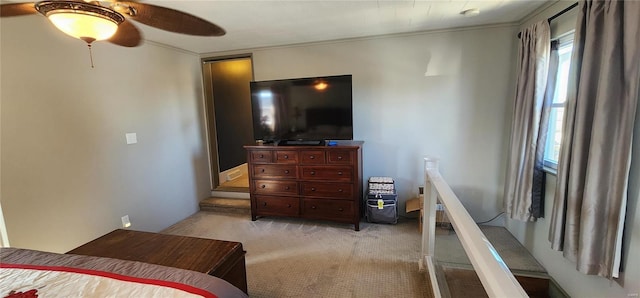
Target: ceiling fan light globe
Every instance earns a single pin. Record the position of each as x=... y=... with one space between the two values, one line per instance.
x=82 y=20
x=83 y=26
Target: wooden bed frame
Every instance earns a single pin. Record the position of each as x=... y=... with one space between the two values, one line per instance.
x=223 y=259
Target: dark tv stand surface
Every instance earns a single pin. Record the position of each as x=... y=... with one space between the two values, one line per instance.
x=301 y=143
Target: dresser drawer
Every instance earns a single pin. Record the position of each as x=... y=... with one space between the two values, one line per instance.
x=286 y=156
x=286 y=206
x=261 y=156
x=275 y=187
x=327 y=190
x=335 y=173
x=327 y=209
x=340 y=157
x=312 y=157
x=274 y=171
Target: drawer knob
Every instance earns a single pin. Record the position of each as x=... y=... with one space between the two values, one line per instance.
x=313 y=207
x=264 y=204
x=263 y=186
x=340 y=209
x=286 y=187
x=339 y=189
x=312 y=157
x=340 y=173
x=339 y=157
x=286 y=171
x=286 y=156
x=261 y=170
x=313 y=189
x=312 y=172
x=261 y=155
x=289 y=205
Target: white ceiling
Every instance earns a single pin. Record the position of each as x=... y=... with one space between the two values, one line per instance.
x=263 y=23
x=253 y=24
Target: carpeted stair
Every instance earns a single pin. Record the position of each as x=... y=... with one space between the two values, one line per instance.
x=227 y=205
x=464 y=282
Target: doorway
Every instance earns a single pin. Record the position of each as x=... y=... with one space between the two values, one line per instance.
x=229 y=121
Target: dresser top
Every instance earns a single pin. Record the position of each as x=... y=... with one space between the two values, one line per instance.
x=339 y=144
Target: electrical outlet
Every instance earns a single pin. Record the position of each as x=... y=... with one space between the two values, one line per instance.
x=131 y=137
x=125 y=221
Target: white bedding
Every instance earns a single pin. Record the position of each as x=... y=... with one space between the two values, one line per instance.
x=26 y=272
x=70 y=282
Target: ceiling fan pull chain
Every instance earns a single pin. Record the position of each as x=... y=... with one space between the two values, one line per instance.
x=90 y=55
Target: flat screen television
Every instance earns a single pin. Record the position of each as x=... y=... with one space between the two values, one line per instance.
x=305 y=109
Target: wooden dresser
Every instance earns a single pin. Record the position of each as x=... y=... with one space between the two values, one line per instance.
x=315 y=182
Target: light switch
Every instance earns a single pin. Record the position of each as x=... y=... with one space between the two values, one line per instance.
x=132 y=138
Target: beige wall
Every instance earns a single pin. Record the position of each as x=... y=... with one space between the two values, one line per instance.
x=67 y=173
x=456 y=112
x=535 y=235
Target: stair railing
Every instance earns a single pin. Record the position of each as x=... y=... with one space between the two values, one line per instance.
x=496 y=278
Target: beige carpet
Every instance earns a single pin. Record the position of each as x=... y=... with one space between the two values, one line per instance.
x=301 y=258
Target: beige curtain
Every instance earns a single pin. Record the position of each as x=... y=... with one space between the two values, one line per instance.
x=533 y=64
x=593 y=169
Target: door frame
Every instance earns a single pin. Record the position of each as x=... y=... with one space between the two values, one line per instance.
x=209 y=114
x=4 y=237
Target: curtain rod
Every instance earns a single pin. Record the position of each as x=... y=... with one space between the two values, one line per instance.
x=557 y=15
x=562 y=12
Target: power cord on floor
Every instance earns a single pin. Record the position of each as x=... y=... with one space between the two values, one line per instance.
x=488 y=221
x=478 y=223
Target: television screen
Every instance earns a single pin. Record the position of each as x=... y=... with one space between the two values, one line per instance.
x=303 y=109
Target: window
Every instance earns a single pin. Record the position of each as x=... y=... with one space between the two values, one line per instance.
x=554 y=130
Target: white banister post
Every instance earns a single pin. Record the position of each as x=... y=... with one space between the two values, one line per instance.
x=430 y=199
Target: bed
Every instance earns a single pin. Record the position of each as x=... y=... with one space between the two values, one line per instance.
x=26 y=273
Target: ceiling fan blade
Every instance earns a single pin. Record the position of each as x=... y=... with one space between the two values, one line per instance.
x=127 y=35
x=171 y=20
x=17 y=9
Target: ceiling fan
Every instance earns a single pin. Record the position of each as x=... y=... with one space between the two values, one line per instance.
x=97 y=20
